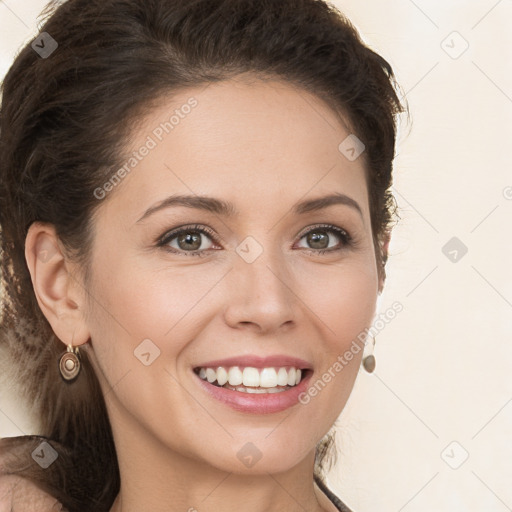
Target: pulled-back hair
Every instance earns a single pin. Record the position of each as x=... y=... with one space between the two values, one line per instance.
x=64 y=122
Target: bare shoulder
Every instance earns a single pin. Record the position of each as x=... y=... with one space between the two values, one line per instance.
x=20 y=494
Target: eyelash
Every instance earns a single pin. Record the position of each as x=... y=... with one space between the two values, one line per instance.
x=346 y=239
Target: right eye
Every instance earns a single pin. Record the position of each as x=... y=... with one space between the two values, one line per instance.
x=187 y=240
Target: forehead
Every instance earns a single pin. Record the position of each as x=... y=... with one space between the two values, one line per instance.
x=246 y=141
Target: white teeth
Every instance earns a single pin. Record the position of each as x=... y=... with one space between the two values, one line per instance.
x=257 y=390
x=222 y=376
x=235 y=376
x=251 y=390
x=251 y=377
x=276 y=390
x=211 y=375
x=282 y=377
x=253 y=380
x=268 y=378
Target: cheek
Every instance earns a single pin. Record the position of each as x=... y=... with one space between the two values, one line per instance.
x=140 y=310
x=354 y=308
x=342 y=296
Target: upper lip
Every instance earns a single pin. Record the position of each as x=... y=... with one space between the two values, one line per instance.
x=255 y=361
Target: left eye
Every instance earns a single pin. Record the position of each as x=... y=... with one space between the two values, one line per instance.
x=318 y=238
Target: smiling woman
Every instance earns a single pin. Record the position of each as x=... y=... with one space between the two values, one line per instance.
x=165 y=329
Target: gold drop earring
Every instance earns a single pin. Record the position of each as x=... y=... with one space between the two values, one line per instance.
x=69 y=363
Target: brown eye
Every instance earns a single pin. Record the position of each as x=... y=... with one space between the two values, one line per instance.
x=189 y=241
x=318 y=239
x=326 y=238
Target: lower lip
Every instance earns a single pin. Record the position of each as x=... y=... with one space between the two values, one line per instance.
x=261 y=403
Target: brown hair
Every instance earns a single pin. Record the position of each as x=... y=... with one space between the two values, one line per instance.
x=64 y=121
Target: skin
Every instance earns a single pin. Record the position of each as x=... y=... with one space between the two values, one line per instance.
x=264 y=146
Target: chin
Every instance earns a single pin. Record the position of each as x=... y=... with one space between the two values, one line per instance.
x=259 y=457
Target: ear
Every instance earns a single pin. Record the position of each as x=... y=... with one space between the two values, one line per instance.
x=58 y=292
x=384 y=247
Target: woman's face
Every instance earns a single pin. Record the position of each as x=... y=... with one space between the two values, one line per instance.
x=243 y=286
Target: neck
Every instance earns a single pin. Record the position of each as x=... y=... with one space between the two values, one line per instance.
x=156 y=478
x=227 y=495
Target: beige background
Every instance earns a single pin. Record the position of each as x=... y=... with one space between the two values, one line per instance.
x=442 y=389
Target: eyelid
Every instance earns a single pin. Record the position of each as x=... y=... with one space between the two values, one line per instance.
x=327 y=227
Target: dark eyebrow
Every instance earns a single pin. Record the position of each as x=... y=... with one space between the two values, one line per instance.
x=213 y=205
x=313 y=205
x=209 y=204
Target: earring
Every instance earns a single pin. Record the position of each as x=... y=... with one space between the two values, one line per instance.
x=69 y=363
x=369 y=360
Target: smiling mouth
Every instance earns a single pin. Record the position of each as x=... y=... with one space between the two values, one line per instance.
x=253 y=380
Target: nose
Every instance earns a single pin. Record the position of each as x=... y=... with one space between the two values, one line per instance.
x=261 y=294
